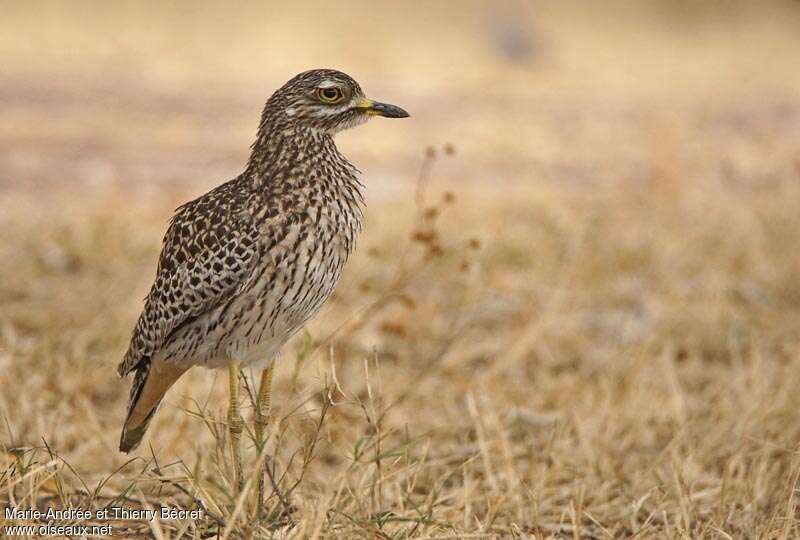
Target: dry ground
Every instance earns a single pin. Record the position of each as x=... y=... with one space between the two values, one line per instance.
x=575 y=315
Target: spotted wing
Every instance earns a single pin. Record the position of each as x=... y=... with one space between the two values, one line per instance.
x=209 y=252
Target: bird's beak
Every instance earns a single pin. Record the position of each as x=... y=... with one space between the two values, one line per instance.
x=376 y=108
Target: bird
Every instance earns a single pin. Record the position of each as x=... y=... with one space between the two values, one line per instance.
x=244 y=266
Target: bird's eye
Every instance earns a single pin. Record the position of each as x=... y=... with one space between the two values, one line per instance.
x=329 y=95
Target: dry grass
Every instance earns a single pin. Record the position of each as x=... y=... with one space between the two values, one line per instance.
x=533 y=366
x=583 y=323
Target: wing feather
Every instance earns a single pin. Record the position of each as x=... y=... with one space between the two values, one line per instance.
x=209 y=252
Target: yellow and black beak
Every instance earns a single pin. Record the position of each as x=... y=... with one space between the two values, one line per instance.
x=376 y=108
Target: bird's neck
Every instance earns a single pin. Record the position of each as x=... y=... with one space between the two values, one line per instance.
x=287 y=156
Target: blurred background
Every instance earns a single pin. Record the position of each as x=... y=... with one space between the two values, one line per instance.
x=578 y=278
x=139 y=92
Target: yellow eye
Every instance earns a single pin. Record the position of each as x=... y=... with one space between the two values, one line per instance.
x=329 y=95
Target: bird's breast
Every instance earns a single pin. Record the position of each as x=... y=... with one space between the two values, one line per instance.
x=297 y=273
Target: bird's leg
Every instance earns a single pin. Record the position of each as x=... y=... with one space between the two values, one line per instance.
x=235 y=424
x=263 y=403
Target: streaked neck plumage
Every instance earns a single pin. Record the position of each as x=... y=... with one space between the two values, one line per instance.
x=289 y=154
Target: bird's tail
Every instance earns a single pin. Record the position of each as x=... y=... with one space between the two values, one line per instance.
x=150 y=383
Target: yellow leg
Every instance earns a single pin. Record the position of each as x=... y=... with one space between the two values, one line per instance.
x=235 y=424
x=263 y=403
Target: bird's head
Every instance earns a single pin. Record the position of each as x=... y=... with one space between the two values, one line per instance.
x=326 y=100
